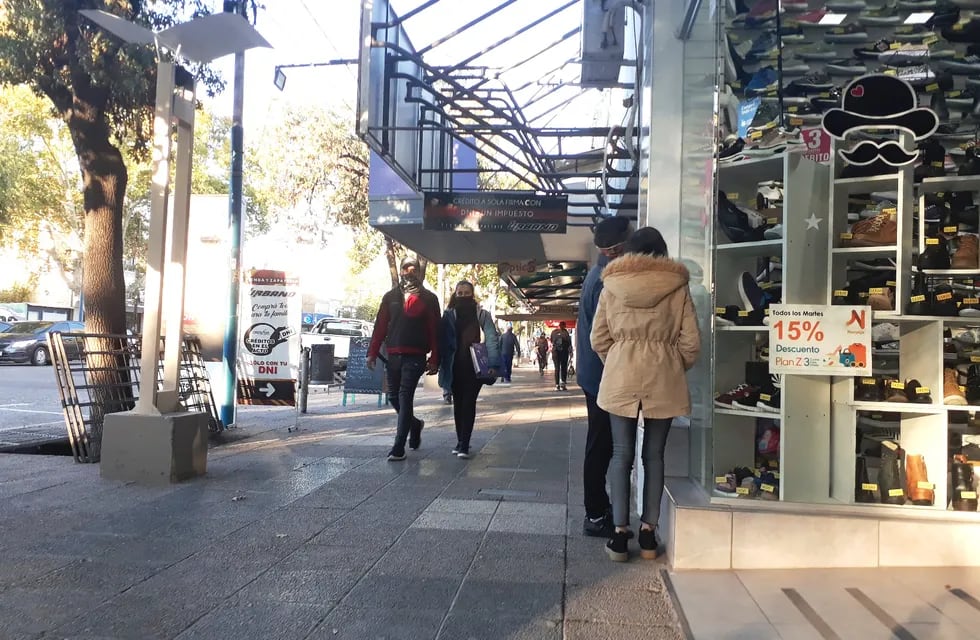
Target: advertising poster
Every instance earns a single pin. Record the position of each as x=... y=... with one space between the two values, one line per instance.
x=208 y=275
x=495 y=211
x=820 y=340
x=269 y=350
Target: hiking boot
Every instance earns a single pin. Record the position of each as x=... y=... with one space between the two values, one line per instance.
x=952 y=392
x=919 y=490
x=396 y=455
x=882 y=230
x=601 y=527
x=967 y=254
x=618 y=546
x=415 y=434
x=648 y=544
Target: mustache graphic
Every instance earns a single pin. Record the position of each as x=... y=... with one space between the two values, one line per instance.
x=890 y=152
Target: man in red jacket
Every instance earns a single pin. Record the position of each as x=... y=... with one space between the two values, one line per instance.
x=408 y=325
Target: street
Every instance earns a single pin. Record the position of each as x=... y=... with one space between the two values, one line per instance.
x=29 y=398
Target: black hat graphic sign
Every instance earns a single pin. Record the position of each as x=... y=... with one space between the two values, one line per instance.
x=880 y=102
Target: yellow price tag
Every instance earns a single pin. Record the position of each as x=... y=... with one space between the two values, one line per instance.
x=968 y=495
x=796 y=122
x=971 y=300
x=743 y=314
x=768 y=488
x=877 y=291
x=840 y=293
x=950 y=229
x=922 y=390
x=932 y=241
x=772 y=220
x=890 y=211
x=765 y=397
x=895 y=493
x=925 y=485
x=943 y=297
x=720 y=479
x=867 y=486
x=846 y=236
x=897 y=385
x=720 y=310
x=742 y=491
x=918 y=298
x=868 y=381
x=931 y=88
x=755 y=135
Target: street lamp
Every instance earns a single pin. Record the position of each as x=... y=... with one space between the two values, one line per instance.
x=280 y=77
x=158 y=441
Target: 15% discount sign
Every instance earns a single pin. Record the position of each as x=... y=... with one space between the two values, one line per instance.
x=820 y=339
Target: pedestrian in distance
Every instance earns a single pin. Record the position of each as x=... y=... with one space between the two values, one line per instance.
x=407 y=325
x=509 y=345
x=610 y=237
x=541 y=349
x=462 y=325
x=561 y=351
x=646 y=333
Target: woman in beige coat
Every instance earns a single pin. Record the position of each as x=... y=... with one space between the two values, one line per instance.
x=646 y=333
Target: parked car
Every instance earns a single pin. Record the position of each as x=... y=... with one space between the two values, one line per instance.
x=338 y=332
x=27 y=341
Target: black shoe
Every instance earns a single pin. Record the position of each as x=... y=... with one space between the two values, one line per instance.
x=463 y=453
x=415 y=434
x=557 y=387
x=396 y=455
x=600 y=527
x=617 y=548
x=648 y=543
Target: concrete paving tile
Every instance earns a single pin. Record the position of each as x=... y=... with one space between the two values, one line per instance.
x=377 y=591
x=266 y=620
x=146 y=617
x=350 y=623
x=521 y=523
x=308 y=586
x=639 y=598
x=517 y=569
x=532 y=509
x=453 y=521
x=449 y=505
x=591 y=630
x=28 y=612
x=538 y=599
x=466 y=626
x=501 y=543
x=96 y=576
x=17 y=570
x=326 y=558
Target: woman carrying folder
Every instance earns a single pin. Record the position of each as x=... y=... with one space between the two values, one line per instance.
x=462 y=325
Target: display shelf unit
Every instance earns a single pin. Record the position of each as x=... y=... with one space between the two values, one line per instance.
x=803 y=458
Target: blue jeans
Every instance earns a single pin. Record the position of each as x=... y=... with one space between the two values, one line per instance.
x=404 y=372
x=623 y=451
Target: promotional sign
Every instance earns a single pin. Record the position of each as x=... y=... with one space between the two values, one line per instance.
x=746 y=113
x=270 y=342
x=495 y=211
x=359 y=378
x=820 y=340
x=817 y=144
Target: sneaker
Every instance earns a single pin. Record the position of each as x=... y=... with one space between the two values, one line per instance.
x=396 y=455
x=869 y=390
x=884 y=332
x=813 y=82
x=817 y=52
x=808 y=19
x=731 y=150
x=415 y=434
x=740 y=393
x=873 y=51
x=753 y=296
x=766 y=117
x=648 y=544
x=774 y=141
x=618 y=546
x=770 y=402
x=880 y=16
x=967 y=254
x=763 y=81
x=846 y=67
x=774 y=233
x=740 y=224
x=882 y=230
x=846 y=34
x=917 y=393
x=952 y=392
x=895 y=391
x=935 y=256
x=846 y=6
x=601 y=527
x=914 y=33
x=769 y=194
x=463 y=453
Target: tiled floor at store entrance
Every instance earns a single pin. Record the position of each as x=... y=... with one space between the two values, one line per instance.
x=831 y=604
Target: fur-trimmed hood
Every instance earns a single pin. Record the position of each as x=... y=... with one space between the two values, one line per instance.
x=643 y=281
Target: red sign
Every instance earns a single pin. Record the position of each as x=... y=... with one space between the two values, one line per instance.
x=817 y=142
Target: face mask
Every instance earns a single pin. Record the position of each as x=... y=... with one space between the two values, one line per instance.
x=410 y=282
x=466 y=305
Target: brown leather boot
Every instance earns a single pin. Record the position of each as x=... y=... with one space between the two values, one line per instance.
x=967 y=254
x=879 y=231
x=918 y=488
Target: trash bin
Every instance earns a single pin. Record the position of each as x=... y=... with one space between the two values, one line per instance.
x=321 y=364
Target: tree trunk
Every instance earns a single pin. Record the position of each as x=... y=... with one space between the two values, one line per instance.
x=391 y=255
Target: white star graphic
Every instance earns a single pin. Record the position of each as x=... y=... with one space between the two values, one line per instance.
x=813 y=222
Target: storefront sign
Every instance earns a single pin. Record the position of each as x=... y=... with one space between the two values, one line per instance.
x=820 y=340
x=269 y=357
x=494 y=211
x=817 y=144
x=517 y=269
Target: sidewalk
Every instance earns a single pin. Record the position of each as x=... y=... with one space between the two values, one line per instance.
x=313 y=534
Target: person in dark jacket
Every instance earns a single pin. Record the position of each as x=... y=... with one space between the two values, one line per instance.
x=610 y=238
x=462 y=326
x=509 y=345
x=408 y=325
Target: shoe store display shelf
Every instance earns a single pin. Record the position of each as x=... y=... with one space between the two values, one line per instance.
x=888 y=316
x=949 y=272
x=859 y=253
x=804 y=461
x=949 y=183
x=848 y=186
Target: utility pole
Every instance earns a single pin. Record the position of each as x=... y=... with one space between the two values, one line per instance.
x=229 y=403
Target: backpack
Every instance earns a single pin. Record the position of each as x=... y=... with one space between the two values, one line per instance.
x=560 y=341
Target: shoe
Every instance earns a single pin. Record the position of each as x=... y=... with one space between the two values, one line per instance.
x=943 y=301
x=817 y=52
x=774 y=141
x=463 y=453
x=763 y=81
x=919 y=490
x=813 y=82
x=864 y=490
x=741 y=394
x=891 y=487
x=731 y=150
x=884 y=332
x=895 y=391
x=920 y=300
x=766 y=117
x=648 y=543
x=846 y=6
x=396 y=455
x=447 y=398
x=968 y=65
x=882 y=230
x=846 y=34
x=935 y=256
x=846 y=67
x=914 y=33
x=880 y=16
x=415 y=434
x=753 y=296
x=601 y=527
x=917 y=393
x=564 y=387
x=967 y=255
x=869 y=390
x=808 y=19
x=964 y=486
x=881 y=299
x=740 y=224
x=618 y=546
x=952 y=393
x=770 y=401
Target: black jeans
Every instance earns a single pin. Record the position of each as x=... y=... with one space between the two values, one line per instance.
x=624 y=450
x=506 y=366
x=542 y=361
x=561 y=366
x=403 y=378
x=598 y=453
x=466 y=388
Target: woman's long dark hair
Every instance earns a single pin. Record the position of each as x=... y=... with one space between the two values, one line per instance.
x=648 y=241
x=452 y=298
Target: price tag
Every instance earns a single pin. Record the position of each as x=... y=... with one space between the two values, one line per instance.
x=891 y=283
x=933 y=40
x=757 y=473
x=796 y=122
x=736 y=84
x=743 y=314
x=895 y=493
x=892 y=211
x=953 y=94
x=742 y=491
x=925 y=485
x=720 y=479
x=968 y=495
x=895 y=45
x=937 y=165
x=720 y=310
x=733 y=196
x=950 y=229
x=958 y=26
x=846 y=236
x=772 y=220
x=768 y=488
x=922 y=390
x=755 y=135
x=869 y=381
x=765 y=397
x=974 y=358
x=890 y=72
x=820 y=339
x=841 y=293
x=877 y=291
x=932 y=88
x=867 y=486
x=932 y=241
x=897 y=385
x=918 y=298
x=971 y=300
x=943 y=297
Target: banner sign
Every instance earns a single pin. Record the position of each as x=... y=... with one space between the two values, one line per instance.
x=495 y=211
x=270 y=343
x=746 y=114
x=817 y=145
x=825 y=340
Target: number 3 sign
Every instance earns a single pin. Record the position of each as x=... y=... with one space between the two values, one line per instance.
x=817 y=144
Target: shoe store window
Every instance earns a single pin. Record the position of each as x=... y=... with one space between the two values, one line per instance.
x=790 y=219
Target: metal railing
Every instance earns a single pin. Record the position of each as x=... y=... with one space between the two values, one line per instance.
x=99 y=374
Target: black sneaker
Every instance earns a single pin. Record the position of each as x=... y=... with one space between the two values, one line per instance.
x=463 y=453
x=396 y=455
x=601 y=527
x=731 y=150
x=648 y=543
x=415 y=434
x=617 y=548
x=457 y=448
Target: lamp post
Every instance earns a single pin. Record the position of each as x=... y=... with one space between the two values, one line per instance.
x=279 y=79
x=158 y=441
